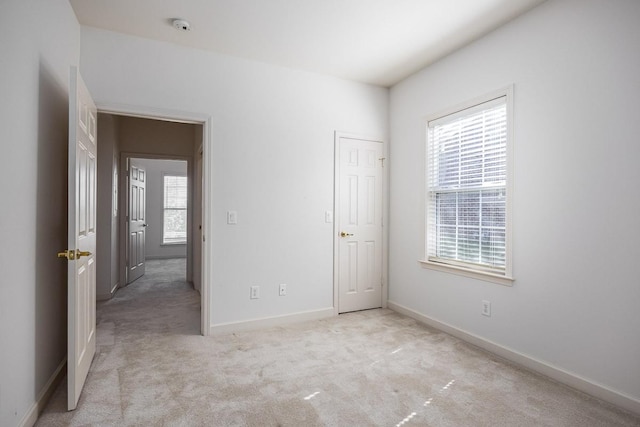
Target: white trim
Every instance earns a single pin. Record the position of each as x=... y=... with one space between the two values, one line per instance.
x=484 y=100
x=207 y=157
x=267 y=322
x=336 y=215
x=166 y=256
x=114 y=289
x=563 y=376
x=467 y=272
x=152 y=113
x=51 y=385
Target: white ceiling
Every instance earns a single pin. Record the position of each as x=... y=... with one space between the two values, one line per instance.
x=372 y=41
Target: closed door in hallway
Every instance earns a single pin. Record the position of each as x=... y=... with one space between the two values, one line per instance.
x=137 y=221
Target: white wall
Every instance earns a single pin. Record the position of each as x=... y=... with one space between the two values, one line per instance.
x=155 y=170
x=272 y=159
x=575 y=303
x=39 y=40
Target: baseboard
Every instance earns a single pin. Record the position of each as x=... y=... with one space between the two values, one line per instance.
x=570 y=379
x=164 y=256
x=106 y=297
x=268 y=322
x=43 y=397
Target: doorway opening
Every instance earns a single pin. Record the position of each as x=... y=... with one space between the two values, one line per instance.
x=159 y=206
x=153 y=185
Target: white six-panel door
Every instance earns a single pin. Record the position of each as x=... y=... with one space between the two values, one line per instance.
x=359 y=224
x=137 y=223
x=81 y=236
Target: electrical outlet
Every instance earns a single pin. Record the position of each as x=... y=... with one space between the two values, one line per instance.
x=255 y=292
x=283 y=290
x=486 y=308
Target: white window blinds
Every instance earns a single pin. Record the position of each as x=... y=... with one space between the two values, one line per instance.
x=174 y=229
x=467 y=187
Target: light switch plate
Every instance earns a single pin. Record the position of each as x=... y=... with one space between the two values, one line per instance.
x=328 y=217
x=232 y=217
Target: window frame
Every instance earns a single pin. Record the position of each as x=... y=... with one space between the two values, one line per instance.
x=463 y=268
x=164 y=209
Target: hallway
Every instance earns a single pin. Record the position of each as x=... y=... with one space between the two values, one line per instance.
x=138 y=335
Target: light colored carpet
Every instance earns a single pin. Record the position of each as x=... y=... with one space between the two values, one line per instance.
x=370 y=368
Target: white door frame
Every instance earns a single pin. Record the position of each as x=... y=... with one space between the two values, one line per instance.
x=336 y=216
x=207 y=157
x=124 y=190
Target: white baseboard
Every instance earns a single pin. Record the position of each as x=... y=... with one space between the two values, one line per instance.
x=43 y=397
x=114 y=289
x=112 y=292
x=565 y=377
x=164 y=256
x=268 y=322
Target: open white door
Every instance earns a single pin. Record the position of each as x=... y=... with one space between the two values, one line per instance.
x=81 y=333
x=137 y=221
x=359 y=223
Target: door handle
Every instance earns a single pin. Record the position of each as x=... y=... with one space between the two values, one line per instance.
x=345 y=234
x=145 y=225
x=80 y=253
x=69 y=255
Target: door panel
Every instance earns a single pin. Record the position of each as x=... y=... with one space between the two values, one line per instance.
x=81 y=345
x=137 y=221
x=359 y=225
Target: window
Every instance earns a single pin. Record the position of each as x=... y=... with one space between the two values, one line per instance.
x=174 y=227
x=468 y=189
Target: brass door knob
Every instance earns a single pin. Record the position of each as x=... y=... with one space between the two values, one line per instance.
x=80 y=253
x=345 y=234
x=70 y=255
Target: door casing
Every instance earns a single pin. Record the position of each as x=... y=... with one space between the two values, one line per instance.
x=336 y=216
x=207 y=161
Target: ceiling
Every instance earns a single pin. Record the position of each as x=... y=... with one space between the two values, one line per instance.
x=372 y=41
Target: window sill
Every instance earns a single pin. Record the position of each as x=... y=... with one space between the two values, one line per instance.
x=173 y=244
x=467 y=272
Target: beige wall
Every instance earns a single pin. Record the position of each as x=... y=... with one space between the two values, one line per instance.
x=149 y=138
x=107 y=244
x=157 y=137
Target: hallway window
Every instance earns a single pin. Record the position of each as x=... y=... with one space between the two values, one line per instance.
x=174 y=228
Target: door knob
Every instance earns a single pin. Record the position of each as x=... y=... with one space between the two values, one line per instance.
x=80 y=253
x=145 y=225
x=70 y=255
x=345 y=234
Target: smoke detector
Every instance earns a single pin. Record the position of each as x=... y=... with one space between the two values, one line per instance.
x=181 y=25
